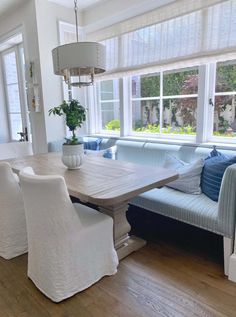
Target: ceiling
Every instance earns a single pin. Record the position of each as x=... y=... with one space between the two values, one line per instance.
x=7 y=5
x=82 y=4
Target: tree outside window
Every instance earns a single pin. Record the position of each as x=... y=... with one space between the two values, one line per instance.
x=225 y=100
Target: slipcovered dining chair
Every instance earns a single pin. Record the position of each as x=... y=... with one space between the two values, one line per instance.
x=13 y=235
x=70 y=245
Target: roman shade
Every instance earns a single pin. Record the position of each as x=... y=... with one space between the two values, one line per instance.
x=185 y=30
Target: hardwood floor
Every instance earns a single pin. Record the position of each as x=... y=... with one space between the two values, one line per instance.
x=162 y=279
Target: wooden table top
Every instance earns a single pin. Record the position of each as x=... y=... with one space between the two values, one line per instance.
x=99 y=181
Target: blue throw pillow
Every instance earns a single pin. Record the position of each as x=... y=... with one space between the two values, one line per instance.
x=110 y=153
x=212 y=174
x=92 y=145
x=214 y=153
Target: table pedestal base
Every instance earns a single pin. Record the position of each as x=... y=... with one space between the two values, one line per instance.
x=133 y=244
x=124 y=244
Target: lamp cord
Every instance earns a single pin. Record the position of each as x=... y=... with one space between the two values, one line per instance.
x=76 y=20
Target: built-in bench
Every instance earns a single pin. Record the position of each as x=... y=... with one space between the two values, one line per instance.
x=197 y=210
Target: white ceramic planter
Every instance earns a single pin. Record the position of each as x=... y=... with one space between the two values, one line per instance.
x=72 y=155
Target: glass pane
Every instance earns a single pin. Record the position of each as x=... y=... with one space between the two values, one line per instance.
x=16 y=125
x=13 y=98
x=179 y=116
x=225 y=116
x=145 y=116
x=180 y=83
x=146 y=86
x=110 y=116
x=110 y=89
x=10 y=68
x=225 y=77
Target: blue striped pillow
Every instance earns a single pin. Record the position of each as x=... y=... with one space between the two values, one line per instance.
x=212 y=174
x=92 y=145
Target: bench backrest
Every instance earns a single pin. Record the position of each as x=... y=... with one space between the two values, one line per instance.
x=154 y=154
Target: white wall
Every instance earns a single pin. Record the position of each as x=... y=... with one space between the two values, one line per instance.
x=48 y=14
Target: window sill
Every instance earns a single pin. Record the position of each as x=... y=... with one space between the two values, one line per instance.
x=209 y=144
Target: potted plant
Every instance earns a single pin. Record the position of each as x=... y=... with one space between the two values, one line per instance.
x=72 y=149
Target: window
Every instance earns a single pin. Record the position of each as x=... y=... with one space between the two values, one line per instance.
x=224 y=122
x=110 y=105
x=168 y=104
x=166 y=61
x=180 y=92
x=165 y=103
x=146 y=103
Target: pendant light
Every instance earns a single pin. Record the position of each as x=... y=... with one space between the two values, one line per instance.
x=80 y=59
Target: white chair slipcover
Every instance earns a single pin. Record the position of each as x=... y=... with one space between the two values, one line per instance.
x=13 y=235
x=70 y=245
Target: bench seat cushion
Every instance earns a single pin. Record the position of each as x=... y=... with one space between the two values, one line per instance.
x=197 y=210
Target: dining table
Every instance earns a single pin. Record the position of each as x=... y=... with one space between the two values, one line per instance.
x=106 y=183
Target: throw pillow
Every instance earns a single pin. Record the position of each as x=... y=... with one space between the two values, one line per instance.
x=214 y=153
x=189 y=174
x=92 y=145
x=212 y=175
x=110 y=152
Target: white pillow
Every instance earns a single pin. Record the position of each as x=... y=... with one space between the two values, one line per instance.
x=94 y=153
x=189 y=174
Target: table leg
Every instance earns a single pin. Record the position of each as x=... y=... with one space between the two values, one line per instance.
x=124 y=244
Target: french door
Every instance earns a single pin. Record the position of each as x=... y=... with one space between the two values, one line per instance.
x=15 y=92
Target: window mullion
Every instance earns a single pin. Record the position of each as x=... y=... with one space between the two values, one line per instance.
x=202 y=104
x=161 y=102
x=211 y=95
x=125 y=107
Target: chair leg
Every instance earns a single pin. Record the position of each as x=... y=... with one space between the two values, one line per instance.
x=228 y=250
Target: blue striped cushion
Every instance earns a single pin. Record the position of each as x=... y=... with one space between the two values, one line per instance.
x=212 y=174
x=92 y=145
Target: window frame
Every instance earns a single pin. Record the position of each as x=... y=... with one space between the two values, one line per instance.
x=99 y=102
x=205 y=111
x=213 y=94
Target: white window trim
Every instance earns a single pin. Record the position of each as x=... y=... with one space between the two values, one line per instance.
x=205 y=112
x=212 y=94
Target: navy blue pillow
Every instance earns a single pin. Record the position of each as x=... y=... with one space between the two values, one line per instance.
x=212 y=174
x=92 y=145
x=108 y=154
x=214 y=152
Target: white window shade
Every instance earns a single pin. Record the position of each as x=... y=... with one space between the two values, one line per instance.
x=195 y=30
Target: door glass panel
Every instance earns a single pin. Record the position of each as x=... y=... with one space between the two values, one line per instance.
x=10 y=68
x=13 y=94
x=16 y=125
x=13 y=98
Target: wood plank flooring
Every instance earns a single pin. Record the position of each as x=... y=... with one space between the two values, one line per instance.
x=163 y=279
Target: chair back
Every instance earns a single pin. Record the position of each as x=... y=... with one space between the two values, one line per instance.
x=13 y=235
x=50 y=215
